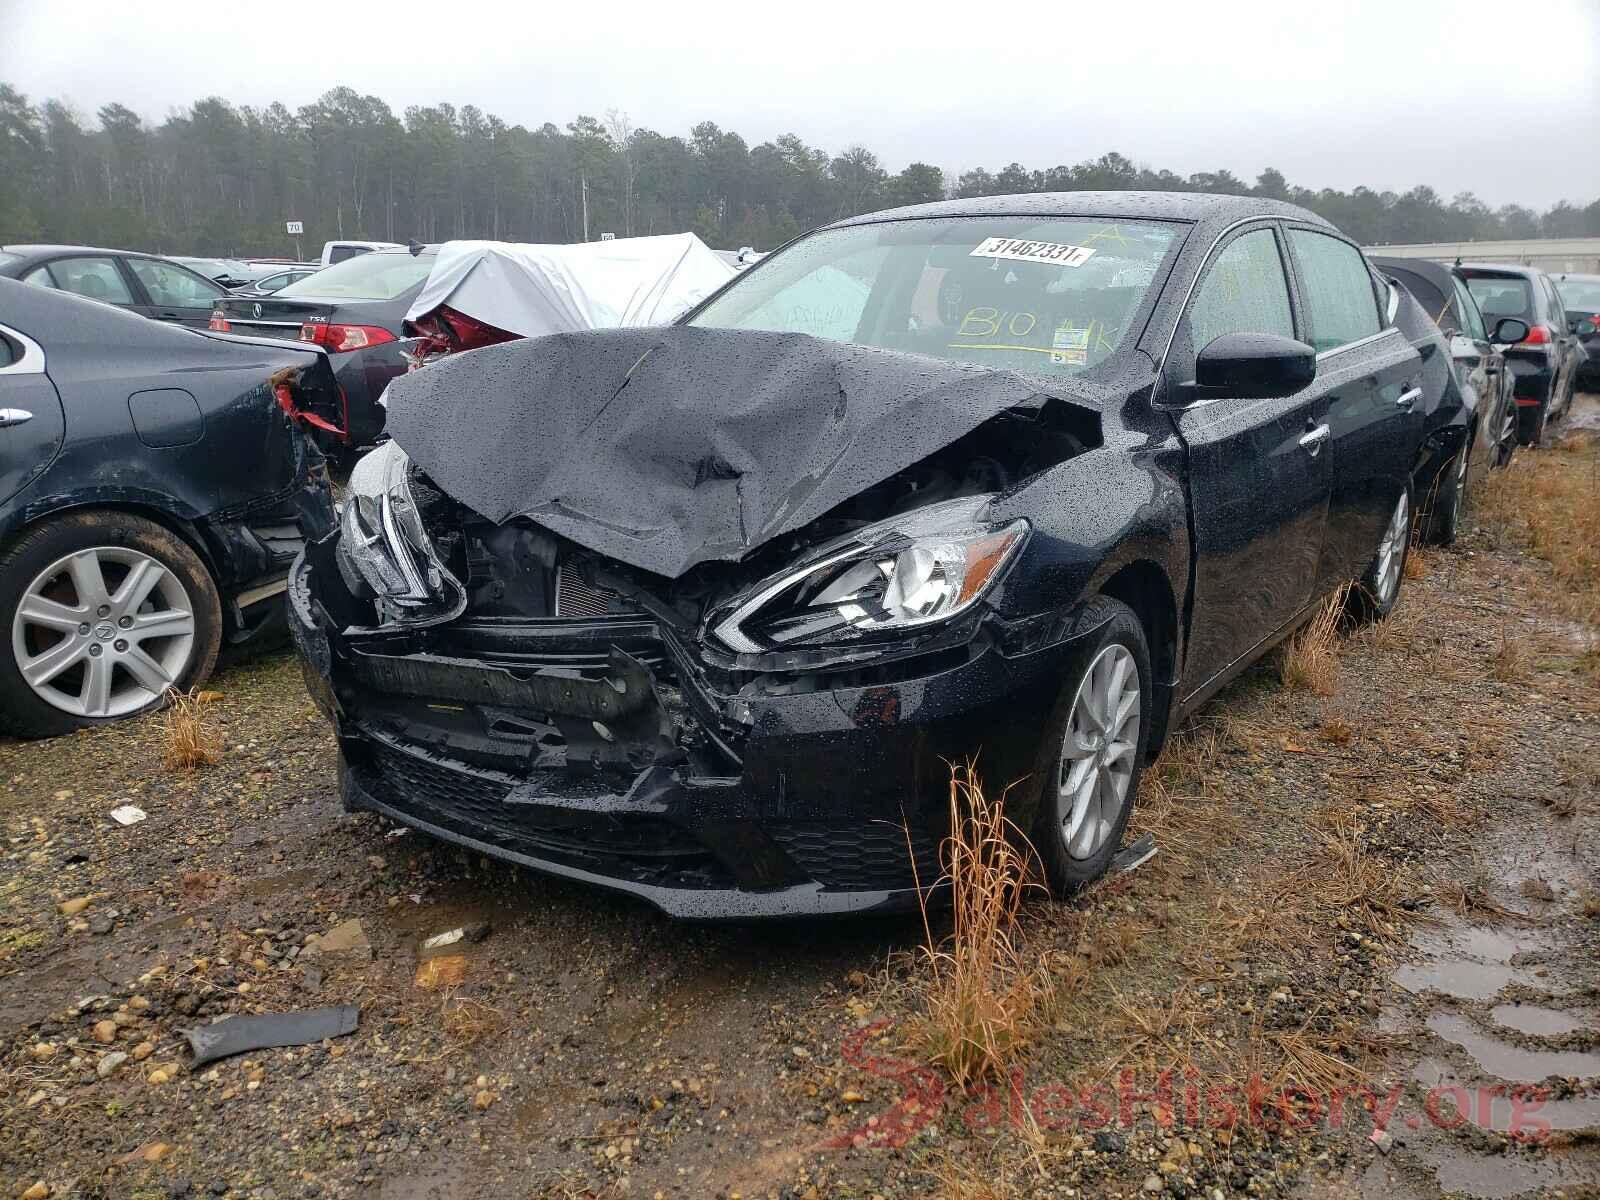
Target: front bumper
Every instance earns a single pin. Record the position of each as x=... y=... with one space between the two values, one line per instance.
x=772 y=801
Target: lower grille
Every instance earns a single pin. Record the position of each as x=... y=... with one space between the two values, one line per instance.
x=869 y=856
x=577 y=598
x=643 y=848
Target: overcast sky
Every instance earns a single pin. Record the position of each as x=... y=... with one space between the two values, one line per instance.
x=1502 y=100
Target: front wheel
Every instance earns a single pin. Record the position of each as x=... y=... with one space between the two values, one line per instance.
x=1091 y=756
x=1374 y=596
x=105 y=611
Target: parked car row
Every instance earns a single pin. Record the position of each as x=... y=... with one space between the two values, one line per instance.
x=699 y=611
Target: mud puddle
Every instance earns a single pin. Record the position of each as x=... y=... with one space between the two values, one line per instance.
x=1511 y=1063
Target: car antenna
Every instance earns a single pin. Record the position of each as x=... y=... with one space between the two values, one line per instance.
x=415 y=247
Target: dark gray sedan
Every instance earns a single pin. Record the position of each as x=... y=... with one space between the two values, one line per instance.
x=142 y=283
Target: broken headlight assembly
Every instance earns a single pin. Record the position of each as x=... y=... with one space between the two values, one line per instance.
x=908 y=572
x=384 y=553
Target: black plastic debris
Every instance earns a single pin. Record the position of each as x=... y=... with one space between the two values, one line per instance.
x=1132 y=856
x=235 y=1035
x=668 y=447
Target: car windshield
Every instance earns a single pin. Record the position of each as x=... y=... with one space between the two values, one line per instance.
x=1581 y=293
x=7 y=257
x=1052 y=294
x=1501 y=296
x=379 y=276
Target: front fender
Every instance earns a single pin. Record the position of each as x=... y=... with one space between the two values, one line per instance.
x=1092 y=516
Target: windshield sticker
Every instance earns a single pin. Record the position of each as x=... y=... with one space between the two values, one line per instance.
x=1021 y=250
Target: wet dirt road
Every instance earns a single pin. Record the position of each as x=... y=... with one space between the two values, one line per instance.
x=571 y=1044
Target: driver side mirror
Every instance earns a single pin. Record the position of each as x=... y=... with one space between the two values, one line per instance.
x=1509 y=330
x=1253 y=366
x=1585 y=327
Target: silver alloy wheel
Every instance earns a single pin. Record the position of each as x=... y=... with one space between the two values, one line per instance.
x=1097 y=752
x=1508 y=434
x=101 y=632
x=1461 y=480
x=1392 y=550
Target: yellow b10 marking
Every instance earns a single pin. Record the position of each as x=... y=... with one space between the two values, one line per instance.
x=986 y=322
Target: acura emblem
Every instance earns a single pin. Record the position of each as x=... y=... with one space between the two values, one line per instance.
x=256 y=309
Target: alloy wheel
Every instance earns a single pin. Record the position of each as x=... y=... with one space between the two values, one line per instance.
x=1459 y=499
x=1392 y=550
x=1506 y=445
x=1097 y=752
x=103 y=631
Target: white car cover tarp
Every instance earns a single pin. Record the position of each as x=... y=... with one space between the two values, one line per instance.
x=533 y=290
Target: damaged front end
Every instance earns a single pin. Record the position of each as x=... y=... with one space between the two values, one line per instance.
x=761 y=737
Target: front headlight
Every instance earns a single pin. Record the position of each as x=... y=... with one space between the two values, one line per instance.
x=910 y=571
x=383 y=549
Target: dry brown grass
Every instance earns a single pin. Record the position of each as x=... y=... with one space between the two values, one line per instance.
x=1400 y=630
x=1343 y=878
x=190 y=736
x=982 y=999
x=1550 y=503
x=1311 y=659
x=1418 y=563
x=1589 y=903
x=466 y=1022
x=1336 y=732
x=1510 y=661
x=958 y=1180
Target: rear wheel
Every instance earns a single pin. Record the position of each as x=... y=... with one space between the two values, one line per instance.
x=1444 y=513
x=1091 y=757
x=1530 y=423
x=1376 y=593
x=104 y=611
x=1505 y=442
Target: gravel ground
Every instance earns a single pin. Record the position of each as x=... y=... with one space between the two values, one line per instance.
x=1394 y=885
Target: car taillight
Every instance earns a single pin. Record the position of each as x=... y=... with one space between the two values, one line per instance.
x=1538 y=335
x=218 y=322
x=340 y=338
x=470 y=334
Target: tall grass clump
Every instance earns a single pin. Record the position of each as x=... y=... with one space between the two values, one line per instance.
x=982 y=999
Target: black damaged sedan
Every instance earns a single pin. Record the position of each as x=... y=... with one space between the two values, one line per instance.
x=704 y=613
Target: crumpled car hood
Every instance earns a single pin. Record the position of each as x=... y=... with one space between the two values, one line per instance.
x=664 y=448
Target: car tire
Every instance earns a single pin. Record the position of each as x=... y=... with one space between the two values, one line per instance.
x=1449 y=497
x=150 y=619
x=1376 y=593
x=1088 y=784
x=1505 y=441
x=1531 y=422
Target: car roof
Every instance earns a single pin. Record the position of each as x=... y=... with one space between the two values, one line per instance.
x=1198 y=207
x=1579 y=275
x=34 y=251
x=1503 y=269
x=1435 y=272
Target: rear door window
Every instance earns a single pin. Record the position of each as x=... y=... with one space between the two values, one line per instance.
x=1245 y=291
x=96 y=278
x=1341 y=305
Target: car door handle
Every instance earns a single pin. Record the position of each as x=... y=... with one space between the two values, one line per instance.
x=1311 y=442
x=14 y=416
x=1409 y=397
